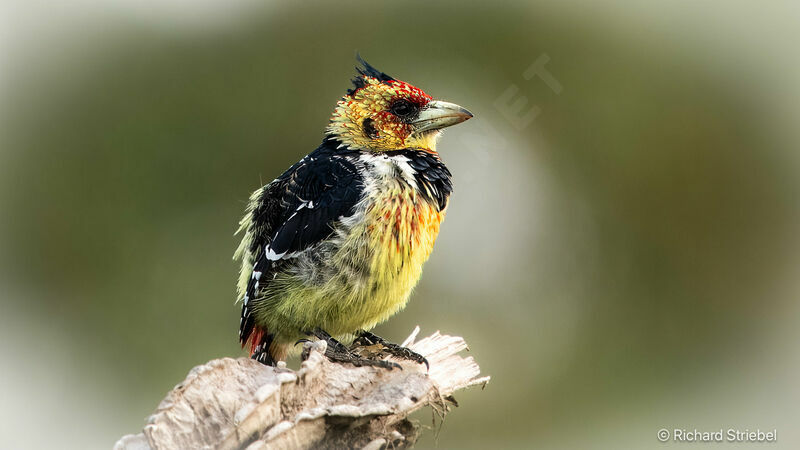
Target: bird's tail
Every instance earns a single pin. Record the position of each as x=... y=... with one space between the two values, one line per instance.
x=261 y=346
x=259 y=339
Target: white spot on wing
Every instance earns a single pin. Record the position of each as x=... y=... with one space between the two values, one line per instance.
x=272 y=256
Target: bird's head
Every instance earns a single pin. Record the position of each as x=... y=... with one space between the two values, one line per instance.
x=383 y=114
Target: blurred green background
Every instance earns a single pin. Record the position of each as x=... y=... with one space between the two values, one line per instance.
x=628 y=261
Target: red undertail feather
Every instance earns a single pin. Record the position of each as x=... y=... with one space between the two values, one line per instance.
x=255 y=339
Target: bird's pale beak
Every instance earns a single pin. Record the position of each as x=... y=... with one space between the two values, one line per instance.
x=437 y=114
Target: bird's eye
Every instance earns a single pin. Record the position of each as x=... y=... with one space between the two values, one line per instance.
x=403 y=108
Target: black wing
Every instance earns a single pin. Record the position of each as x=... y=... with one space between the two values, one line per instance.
x=295 y=212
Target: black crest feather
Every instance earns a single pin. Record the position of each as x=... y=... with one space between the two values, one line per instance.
x=364 y=69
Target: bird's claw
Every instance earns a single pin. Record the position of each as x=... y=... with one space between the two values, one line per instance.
x=338 y=352
x=365 y=338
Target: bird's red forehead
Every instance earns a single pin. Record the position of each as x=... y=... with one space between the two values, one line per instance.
x=412 y=93
x=389 y=90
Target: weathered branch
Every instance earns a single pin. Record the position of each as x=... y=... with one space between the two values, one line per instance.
x=239 y=403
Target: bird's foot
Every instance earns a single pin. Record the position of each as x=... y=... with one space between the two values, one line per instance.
x=339 y=353
x=367 y=339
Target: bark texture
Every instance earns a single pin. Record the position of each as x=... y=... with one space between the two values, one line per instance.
x=239 y=403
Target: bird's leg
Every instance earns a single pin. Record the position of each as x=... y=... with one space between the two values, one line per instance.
x=365 y=338
x=338 y=352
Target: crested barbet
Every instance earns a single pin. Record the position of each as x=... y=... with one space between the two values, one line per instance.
x=334 y=245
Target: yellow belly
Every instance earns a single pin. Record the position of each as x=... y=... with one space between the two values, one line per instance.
x=378 y=264
x=402 y=230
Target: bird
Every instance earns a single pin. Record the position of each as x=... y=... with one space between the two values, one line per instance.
x=336 y=243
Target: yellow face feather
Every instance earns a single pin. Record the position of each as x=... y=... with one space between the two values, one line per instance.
x=362 y=120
